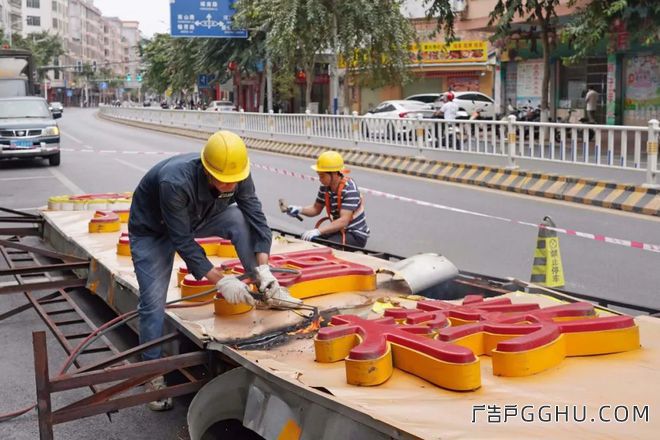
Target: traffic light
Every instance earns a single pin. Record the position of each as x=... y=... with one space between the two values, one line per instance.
x=94 y=66
x=79 y=66
x=128 y=77
x=139 y=77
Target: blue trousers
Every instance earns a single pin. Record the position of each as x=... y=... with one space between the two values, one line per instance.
x=153 y=258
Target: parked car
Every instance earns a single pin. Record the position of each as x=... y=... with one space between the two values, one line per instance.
x=56 y=107
x=28 y=130
x=221 y=106
x=470 y=102
x=402 y=111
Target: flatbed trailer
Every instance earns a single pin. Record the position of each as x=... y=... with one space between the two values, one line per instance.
x=273 y=386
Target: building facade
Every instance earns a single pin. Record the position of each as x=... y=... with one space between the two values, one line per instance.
x=132 y=64
x=113 y=46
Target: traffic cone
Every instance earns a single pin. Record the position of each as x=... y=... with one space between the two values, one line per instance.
x=547 y=269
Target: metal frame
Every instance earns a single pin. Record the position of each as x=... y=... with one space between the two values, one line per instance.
x=59 y=311
x=108 y=400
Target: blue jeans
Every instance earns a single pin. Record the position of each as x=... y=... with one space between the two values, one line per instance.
x=153 y=257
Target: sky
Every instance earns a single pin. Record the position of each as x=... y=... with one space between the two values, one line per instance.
x=153 y=15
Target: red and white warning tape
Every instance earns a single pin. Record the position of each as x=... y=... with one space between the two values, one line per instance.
x=597 y=237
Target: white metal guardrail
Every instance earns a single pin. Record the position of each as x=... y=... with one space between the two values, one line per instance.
x=622 y=147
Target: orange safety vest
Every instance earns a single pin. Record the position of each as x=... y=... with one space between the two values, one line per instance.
x=328 y=207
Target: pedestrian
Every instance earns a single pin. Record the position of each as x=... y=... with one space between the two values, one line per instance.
x=448 y=111
x=189 y=196
x=346 y=221
x=591 y=101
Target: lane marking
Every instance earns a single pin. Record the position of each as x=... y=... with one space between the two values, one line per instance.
x=73 y=138
x=7 y=179
x=586 y=235
x=66 y=182
x=131 y=165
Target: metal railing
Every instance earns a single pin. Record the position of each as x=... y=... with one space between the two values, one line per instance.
x=615 y=146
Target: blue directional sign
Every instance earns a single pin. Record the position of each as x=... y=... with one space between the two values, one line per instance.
x=69 y=93
x=103 y=85
x=203 y=18
x=204 y=80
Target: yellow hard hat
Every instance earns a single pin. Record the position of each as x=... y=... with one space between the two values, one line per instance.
x=225 y=157
x=328 y=162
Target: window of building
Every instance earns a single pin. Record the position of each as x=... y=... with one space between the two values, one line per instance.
x=33 y=4
x=54 y=6
x=54 y=23
x=33 y=21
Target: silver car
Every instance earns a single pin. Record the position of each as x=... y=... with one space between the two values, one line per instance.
x=28 y=130
x=394 y=119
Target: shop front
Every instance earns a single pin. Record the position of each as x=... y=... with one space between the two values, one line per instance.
x=437 y=67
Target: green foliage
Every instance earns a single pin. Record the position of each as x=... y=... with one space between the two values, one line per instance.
x=594 y=21
x=441 y=11
x=44 y=47
x=297 y=33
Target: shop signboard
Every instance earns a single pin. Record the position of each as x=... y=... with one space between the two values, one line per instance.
x=610 y=95
x=434 y=52
x=529 y=83
x=642 y=90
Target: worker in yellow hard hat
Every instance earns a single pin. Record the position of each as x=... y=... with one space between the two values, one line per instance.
x=190 y=196
x=345 y=220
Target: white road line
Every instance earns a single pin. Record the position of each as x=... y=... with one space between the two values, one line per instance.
x=73 y=138
x=87 y=147
x=66 y=182
x=131 y=165
x=7 y=179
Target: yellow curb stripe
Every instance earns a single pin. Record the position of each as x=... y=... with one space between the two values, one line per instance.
x=574 y=190
x=509 y=180
x=653 y=206
x=470 y=172
x=612 y=197
x=632 y=200
x=594 y=193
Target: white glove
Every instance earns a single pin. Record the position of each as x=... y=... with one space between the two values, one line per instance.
x=293 y=210
x=268 y=284
x=234 y=291
x=309 y=235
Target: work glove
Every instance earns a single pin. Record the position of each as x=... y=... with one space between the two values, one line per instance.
x=293 y=211
x=266 y=280
x=309 y=235
x=282 y=299
x=234 y=291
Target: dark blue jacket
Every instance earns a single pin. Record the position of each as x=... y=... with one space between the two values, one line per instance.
x=174 y=198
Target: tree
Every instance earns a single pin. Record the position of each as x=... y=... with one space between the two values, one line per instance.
x=170 y=62
x=44 y=47
x=533 y=13
x=297 y=33
x=592 y=23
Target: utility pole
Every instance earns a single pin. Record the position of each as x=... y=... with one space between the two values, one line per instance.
x=269 y=84
x=334 y=74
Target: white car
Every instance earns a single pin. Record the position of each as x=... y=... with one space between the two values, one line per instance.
x=401 y=111
x=221 y=106
x=468 y=101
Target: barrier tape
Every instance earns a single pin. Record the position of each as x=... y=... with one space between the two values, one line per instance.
x=596 y=237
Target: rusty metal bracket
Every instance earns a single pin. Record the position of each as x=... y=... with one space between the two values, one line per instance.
x=107 y=400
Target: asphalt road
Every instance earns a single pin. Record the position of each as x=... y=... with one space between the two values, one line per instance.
x=480 y=230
